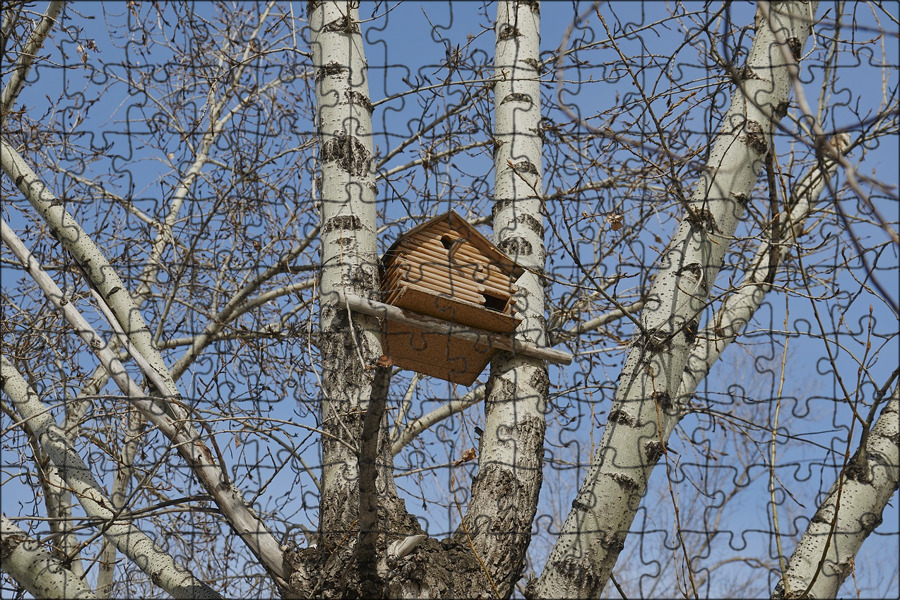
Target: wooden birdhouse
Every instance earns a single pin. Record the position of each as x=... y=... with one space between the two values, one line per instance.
x=447 y=270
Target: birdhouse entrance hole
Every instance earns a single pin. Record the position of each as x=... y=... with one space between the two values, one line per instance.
x=447 y=241
x=495 y=303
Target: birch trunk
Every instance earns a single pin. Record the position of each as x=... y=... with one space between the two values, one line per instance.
x=850 y=513
x=350 y=551
x=505 y=491
x=594 y=533
x=348 y=248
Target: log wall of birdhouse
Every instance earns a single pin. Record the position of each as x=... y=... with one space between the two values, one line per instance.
x=442 y=260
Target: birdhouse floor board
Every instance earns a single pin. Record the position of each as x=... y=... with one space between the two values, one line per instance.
x=452 y=310
x=500 y=341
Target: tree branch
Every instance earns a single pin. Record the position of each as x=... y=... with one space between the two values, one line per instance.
x=26 y=58
x=36 y=569
x=131 y=541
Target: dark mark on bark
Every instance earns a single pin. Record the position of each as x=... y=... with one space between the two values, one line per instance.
x=756 y=137
x=344 y=223
x=516 y=97
x=507 y=31
x=349 y=152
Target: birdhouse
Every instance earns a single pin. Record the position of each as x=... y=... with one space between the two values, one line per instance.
x=446 y=269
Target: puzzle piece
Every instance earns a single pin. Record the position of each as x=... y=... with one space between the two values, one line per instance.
x=188 y=143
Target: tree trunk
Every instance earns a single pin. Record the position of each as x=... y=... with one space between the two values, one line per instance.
x=850 y=513
x=346 y=560
x=505 y=491
x=635 y=436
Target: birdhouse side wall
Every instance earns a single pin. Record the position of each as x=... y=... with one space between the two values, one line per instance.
x=474 y=275
x=428 y=243
x=446 y=256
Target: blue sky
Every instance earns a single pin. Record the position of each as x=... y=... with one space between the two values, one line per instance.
x=411 y=43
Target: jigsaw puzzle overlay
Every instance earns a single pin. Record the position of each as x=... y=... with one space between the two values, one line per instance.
x=470 y=299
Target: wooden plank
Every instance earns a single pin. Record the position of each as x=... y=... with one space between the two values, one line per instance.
x=393 y=280
x=435 y=354
x=458 y=292
x=433 y=246
x=498 y=341
x=467 y=272
x=454 y=310
x=440 y=288
x=494 y=280
x=439 y=273
x=438 y=255
x=472 y=253
x=493 y=274
x=451 y=222
x=466 y=250
x=437 y=289
x=431 y=238
x=454 y=280
x=459 y=295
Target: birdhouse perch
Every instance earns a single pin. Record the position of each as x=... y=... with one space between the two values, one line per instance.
x=448 y=302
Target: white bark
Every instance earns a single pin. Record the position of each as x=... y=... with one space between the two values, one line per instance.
x=739 y=307
x=35 y=568
x=350 y=343
x=634 y=439
x=505 y=491
x=850 y=513
x=182 y=434
x=27 y=55
x=130 y=541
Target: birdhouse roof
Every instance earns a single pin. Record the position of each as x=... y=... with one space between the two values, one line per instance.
x=465 y=229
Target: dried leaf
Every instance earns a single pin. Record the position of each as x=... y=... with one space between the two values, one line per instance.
x=616 y=221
